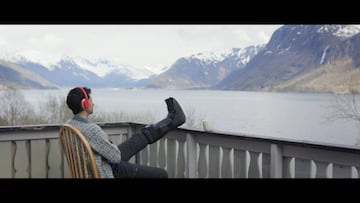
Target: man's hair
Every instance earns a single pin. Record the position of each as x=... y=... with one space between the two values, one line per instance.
x=74 y=98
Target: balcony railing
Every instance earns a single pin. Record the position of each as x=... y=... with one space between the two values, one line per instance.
x=33 y=152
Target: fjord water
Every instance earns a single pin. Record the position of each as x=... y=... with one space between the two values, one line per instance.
x=298 y=116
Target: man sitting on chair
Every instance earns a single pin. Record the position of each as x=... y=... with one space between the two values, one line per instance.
x=112 y=160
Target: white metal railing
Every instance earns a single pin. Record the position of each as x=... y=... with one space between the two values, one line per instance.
x=33 y=152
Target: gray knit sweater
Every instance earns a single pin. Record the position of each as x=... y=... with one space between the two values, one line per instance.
x=104 y=151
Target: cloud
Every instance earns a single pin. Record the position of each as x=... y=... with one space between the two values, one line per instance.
x=46 y=40
x=263 y=37
x=138 y=45
x=218 y=37
x=3 y=41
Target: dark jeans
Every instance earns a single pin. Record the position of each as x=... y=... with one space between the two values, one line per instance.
x=128 y=148
x=130 y=170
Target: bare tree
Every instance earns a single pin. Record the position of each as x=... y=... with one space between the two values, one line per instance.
x=193 y=120
x=101 y=116
x=346 y=106
x=54 y=110
x=14 y=109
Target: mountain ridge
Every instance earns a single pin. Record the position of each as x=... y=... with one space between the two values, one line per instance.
x=293 y=50
x=297 y=58
x=201 y=70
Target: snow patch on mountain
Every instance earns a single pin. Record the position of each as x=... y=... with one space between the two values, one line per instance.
x=343 y=31
x=21 y=56
x=348 y=31
x=101 y=66
x=211 y=56
x=214 y=57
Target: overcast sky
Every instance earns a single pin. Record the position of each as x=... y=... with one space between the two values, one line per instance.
x=153 y=46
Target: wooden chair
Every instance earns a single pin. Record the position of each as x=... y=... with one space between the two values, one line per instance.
x=78 y=153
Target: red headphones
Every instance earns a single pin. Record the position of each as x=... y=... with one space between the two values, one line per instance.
x=84 y=102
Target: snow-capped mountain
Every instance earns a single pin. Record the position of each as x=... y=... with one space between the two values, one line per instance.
x=343 y=31
x=203 y=70
x=242 y=55
x=12 y=75
x=294 y=50
x=68 y=71
x=103 y=67
x=21 y=56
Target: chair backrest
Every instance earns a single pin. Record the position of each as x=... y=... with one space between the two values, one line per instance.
x=78 y=153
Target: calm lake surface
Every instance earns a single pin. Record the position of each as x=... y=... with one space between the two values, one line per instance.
x=299 y=116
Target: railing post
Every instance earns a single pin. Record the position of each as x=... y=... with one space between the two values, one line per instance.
x=276 y=161
x=191 y=156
